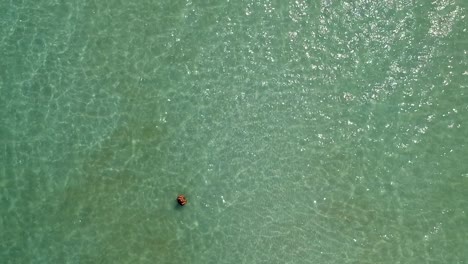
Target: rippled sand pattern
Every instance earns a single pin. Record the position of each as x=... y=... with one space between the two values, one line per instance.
x=299 y=131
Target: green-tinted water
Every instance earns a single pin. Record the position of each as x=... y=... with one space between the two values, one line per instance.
x=300 y=131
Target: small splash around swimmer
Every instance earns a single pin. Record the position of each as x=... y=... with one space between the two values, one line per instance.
x=181 y=200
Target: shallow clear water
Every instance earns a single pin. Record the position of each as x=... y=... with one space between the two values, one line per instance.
x=300 y=131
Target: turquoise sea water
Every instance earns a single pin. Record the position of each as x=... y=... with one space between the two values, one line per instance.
x=300 y=131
